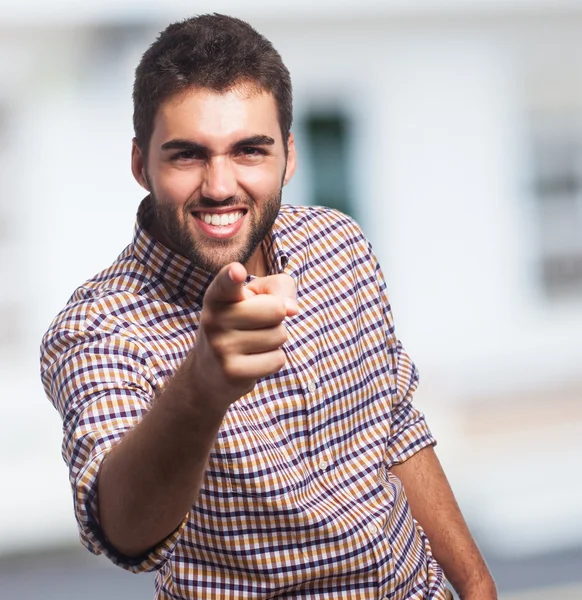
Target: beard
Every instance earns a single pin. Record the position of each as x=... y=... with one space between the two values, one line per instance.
x=213 y=254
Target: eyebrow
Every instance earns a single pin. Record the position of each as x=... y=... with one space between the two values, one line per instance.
x=253 y=140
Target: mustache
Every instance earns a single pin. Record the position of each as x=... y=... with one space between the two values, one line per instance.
x=203 y=202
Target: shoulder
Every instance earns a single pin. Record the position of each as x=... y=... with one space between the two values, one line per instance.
x=314 y=223
x=97 y=306
x=126 y=276
x=320 y=241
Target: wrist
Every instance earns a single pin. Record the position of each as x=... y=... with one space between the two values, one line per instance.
x=190 y=400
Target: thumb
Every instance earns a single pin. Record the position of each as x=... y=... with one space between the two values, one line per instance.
x=228 y=285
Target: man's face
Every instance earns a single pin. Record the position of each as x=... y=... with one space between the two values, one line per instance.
x=215 y=171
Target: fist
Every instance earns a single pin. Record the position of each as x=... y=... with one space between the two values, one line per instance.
x=241 y=333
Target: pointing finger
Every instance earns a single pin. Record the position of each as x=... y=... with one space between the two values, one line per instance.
x=228 y=285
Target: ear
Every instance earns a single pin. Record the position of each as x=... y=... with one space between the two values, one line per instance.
x=138 y=166
x=291 y=160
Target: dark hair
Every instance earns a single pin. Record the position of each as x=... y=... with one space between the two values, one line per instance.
x=216 y=52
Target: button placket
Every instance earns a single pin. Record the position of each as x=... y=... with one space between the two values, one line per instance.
x=325 y=460
x=374 y=531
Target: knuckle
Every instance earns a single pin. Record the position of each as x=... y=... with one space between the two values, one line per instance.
x=290 y=282
x=218 y=345
x=279 y=359
x=283 y=336
x=207 y=320
x=215 y=321
x=222 y=347
x=232 y=370
x=279 y=310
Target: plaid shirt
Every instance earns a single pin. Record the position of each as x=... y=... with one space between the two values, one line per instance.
x=298 y=499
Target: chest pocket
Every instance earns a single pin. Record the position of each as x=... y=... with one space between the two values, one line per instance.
x=253 y=458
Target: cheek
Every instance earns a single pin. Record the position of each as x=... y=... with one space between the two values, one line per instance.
x=176 y=187
x=260 y=182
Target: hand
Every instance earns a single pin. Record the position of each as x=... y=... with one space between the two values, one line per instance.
x=241 y=333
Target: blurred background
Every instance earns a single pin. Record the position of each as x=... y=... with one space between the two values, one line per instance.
x=451 y=130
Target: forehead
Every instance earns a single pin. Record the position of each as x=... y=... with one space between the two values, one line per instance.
x=208 y=116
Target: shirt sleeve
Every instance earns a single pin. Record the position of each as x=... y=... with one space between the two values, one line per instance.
x=408 y=431
x=99 y=381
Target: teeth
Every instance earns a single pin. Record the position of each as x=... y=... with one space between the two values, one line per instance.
x=221 y=220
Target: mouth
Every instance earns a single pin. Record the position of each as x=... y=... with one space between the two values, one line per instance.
x=221 y=219
x=220 y=224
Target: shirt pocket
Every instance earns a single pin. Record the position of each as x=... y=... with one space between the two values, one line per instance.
x=255 y=459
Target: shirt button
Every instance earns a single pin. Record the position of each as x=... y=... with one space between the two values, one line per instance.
x=323 y=464
x=373 y=529
x=312 y=386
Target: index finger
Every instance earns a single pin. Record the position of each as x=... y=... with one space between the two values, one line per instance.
x=228 y=285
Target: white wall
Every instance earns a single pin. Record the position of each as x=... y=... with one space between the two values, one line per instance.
x=439 y=125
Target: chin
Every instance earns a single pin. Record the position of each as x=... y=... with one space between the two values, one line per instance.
x=214 y=264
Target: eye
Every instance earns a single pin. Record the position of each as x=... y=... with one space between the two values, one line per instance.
x=251 y=151
x=188 y=155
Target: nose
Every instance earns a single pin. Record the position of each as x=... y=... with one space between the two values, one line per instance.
x=219 y=181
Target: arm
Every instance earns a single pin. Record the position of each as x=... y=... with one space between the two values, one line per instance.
x=409 y=455
x=150 y=479
x=434 y=506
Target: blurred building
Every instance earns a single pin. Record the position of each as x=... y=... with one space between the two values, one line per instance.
x=451 y=131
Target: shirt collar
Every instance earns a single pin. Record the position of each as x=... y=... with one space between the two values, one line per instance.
x=276 y=253
x=179 y=272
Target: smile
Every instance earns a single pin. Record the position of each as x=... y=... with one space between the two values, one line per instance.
x=220 y=219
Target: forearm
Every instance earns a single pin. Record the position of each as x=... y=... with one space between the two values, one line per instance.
x=152 y=477
x=434 y=506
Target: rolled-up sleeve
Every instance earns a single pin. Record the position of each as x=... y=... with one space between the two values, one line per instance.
x=100 y=384
x=409 y=431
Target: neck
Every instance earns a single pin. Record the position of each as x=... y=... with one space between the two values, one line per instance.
x=257 y=263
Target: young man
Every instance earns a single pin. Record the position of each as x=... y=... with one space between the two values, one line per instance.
x=237 y=409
